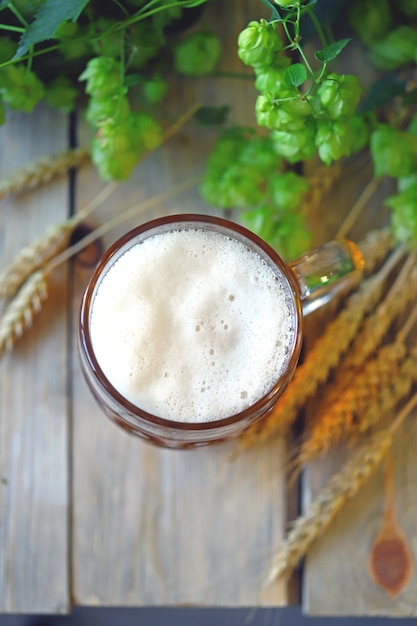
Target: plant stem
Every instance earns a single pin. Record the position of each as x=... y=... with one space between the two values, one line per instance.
x=14 y=29
x=28 y=56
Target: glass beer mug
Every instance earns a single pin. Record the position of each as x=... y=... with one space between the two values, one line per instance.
x=191 y=326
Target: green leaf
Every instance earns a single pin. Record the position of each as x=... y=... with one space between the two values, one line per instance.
x=331 y=52
x=50 y=16
x=275 y=13
x=295 y=75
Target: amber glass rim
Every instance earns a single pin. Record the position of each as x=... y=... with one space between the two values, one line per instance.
x=183 y=221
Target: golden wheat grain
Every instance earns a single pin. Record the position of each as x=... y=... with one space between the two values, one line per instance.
x=323 y=357
x=18 y=315
x=389 y=398
x=335 y=421
x=373 y=331
x=34 y=256
x=43 y=171
x=341 y=488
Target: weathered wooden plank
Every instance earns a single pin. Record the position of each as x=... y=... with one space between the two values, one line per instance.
x=33 y=393
x=157 y=527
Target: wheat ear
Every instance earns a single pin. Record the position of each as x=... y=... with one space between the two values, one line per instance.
x=390 y=397
x=341 y=488
x=336 y=421
x=373 y=331
x=43 y=171
x=18 y=316
x=323 y=357
x=33 y=257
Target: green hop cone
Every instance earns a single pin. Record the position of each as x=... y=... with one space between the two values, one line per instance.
x=404 y=213
x=146 y=132
x=296 y=145
x=118 y=144
x=20 y=88
x=103 y=77
x=73 y=40
x=155 y=89
x=197 y=54
x=287 y=190
x=287 y=4
x=288 y=112
x=61 y=94
x=397 y=49
x=112 y=151
x=333 y=140
x=394 y=152
x=238 y=169
x=270 y=79
x=258 y=44
x=338 y=95
x=102 y=110
x=259 y=152
x=370 y=20
x=285 y=232
x=359 y=133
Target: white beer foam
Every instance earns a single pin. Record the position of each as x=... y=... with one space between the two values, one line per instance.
x=192 y=326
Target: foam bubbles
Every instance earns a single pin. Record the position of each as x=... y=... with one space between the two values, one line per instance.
x=191 y=325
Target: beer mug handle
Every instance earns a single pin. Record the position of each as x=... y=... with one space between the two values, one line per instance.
x=325 y=270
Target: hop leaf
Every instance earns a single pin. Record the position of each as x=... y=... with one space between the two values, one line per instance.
x=51 y=14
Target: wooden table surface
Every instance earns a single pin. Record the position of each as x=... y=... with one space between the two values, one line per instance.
x=90 y=515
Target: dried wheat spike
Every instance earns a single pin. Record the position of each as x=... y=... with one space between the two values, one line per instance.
x=321 y=512
x=34 y=256
x=372 y=334
x=336 y=421
x=341 y=488
x=390 y=397
x=43 y=171
x=19 y=314
x=323 y=357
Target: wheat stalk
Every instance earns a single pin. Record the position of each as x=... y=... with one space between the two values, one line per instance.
x=341 y=488
x=358 y=207
x=18 y=316
x=26 y=302
x=323 y=357
x=43 y=171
